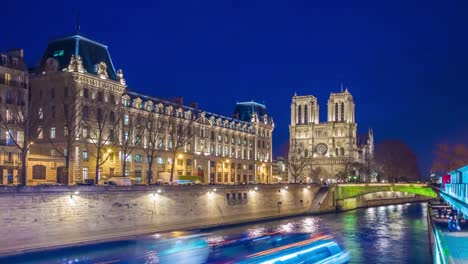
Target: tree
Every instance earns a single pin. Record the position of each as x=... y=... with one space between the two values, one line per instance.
x=72 y=106
x=154 y=133
x=101 y=133
x=449 y=157
x=180 y=131
x=298 y=160
x=131 y=135
x=352 y=171
x=397 y=161
x=23 y=117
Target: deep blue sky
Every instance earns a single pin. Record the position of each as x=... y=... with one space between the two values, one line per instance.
x=405 y=62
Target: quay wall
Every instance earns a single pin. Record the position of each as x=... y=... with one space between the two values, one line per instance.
x=33 y=218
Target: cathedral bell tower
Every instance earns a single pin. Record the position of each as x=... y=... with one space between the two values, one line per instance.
x=341 y=107
x=304 y=110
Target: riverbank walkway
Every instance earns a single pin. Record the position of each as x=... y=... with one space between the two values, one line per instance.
x=453 y=245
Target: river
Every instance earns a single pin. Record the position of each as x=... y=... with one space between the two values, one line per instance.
x=385 y=234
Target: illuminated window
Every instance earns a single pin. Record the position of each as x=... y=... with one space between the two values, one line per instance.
x=52 y=132
x=20 y=137
x=9 y=140
x=85 y=154
x=159 y=160
x=85 y=173
x=85 y=132
x=39 y=133
x=52 y=152
x=41 y=113
x=126 y=119
x=138 y=158
x=7 y=78
x=58 y=53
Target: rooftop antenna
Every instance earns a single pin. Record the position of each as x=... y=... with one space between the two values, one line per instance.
x=78 y=25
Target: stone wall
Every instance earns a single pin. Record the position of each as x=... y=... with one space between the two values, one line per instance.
x=378 y=199
x=50 y=216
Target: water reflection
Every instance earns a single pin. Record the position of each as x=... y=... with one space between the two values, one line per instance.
x=386 y=234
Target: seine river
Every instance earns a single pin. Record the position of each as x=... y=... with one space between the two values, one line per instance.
x=385 y=234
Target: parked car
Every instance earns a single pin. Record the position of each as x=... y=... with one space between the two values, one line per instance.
x=120 y=181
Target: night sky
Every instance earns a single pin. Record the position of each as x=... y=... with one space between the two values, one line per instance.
x=405 y=62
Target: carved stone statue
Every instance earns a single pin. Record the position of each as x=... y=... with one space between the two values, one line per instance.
x=254 y=117
x=120 y=77
x=101 y=70
x=76 y=64
x=265 y=119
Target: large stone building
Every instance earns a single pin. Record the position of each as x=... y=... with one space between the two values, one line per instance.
x=90 y=118
x=331 y=146
x=13 y=96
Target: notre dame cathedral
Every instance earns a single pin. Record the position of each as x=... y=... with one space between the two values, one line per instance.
x=332 y=145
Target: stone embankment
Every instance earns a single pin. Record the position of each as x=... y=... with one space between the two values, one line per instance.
x=34 y=218
x=51 y=216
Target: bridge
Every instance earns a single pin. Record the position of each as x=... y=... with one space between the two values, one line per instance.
x=345 y=191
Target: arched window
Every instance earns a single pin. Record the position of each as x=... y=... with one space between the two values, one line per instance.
x=299 y=115
x=336 y=152
x=306 y=114
x=342 y=112
x=336 y=112
x=342 y=151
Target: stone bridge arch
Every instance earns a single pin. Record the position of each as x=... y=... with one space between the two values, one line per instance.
x=346 y=191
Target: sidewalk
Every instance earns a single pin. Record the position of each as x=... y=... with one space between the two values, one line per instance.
x=454 y=244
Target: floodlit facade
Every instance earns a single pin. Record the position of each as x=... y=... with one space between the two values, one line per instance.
x=13 y=96
x=95 y=122
x=332 y=145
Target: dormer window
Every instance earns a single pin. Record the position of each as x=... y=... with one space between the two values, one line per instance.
x=4 y=60
x=15 y=61
x=149 y=106
x=137 y=103
x=126 y=100
x=58 y=53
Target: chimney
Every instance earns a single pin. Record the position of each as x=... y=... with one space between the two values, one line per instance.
x=194 y=105
x=18 y=53
x=178 y=100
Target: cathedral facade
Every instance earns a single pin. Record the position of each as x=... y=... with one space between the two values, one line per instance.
x=330 y=147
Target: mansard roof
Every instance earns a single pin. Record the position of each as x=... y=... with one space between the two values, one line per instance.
x=196 y=112
x=245 y=110
x=91 y=52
